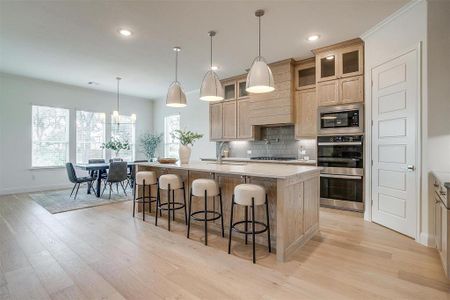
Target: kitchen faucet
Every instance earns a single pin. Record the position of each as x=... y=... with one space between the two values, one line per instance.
x=219 y=153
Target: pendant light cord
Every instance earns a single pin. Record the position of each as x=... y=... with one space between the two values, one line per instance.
x=211 y=62
x=176 y=66
x=118 y=101
x=259 y=35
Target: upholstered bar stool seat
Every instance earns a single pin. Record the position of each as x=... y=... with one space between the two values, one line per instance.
x=144 y=179
x=200 y=186
x=173 y=180
x=250 y=196
x=205 y=188
x=243 y=194
x=170 y=183
x=147 y=176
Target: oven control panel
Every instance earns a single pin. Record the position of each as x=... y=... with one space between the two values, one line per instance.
x=340 y=139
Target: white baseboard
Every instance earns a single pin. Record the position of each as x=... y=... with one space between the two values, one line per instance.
x=426 y=239
x=31 y=189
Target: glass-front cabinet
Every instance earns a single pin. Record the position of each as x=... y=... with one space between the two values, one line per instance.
x=305 y=74
x=229 y=88
x=327 y=63
x=351 y=61
x=241 y=85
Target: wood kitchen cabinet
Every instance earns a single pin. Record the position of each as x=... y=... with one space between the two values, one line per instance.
x=306 y=114
x=215 y=121
x=339 y=73
x=229 y=88
x=241 y=86
x=305 y=74
x=229 y=120
x=244 y=129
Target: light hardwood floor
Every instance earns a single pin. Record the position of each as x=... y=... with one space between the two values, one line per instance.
x=103 y=253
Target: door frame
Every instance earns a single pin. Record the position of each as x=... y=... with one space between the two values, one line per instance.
x=419 y=145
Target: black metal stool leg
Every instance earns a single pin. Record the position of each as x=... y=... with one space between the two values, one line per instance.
x=221 y=212
x=206 y=217
x=268 y=225
x=185 y=208
x=150 y=198
x=190 y=211
x=168 y=207
x=173 y=205
x=253 y=230
x=246 y=224
x=231 y=225
x=143 y=200
x=134 y=202
x=158 y=209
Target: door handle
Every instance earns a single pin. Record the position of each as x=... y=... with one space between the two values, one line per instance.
x=411 y=168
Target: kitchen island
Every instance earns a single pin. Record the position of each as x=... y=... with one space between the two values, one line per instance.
x=293 y=193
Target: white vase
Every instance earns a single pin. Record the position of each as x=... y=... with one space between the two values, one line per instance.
x=184 y=153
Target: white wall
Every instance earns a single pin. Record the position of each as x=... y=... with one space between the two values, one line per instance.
x=439 y=85
x=194 y=117
x=17 y=94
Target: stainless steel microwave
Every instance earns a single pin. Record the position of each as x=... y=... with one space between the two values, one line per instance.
x=342 y=119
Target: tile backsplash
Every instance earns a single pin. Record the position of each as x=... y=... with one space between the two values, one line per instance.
x=275 y=141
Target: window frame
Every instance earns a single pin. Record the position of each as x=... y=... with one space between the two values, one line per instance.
x=133 y=135
x=167 y=134
x=76 y=133
x=67 y=142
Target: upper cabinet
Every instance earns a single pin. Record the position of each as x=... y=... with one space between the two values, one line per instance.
x=216 y=121
x=305 y=74
x=229 y=88
x=339 y=73
x=241 y=85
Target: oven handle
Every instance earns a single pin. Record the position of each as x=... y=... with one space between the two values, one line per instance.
x=340 y=144
x=341 y=176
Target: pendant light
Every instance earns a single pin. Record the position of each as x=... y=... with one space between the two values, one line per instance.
x=260 y=78
x=116 y=113
x=211 y=89
x=175 y=95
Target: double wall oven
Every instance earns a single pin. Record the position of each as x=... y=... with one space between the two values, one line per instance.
x=342 y=157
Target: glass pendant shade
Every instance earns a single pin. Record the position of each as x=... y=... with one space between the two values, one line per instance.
x=175 y=96
x=260 y=78
x=211 y=89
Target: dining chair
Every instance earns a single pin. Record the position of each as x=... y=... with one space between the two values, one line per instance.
x=117 y=174
x=115 y=160
x=77 y=181
x=95 y=161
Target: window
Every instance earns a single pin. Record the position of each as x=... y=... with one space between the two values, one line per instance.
x=50 y=136
x=171 y=145
x=125 y=131
x=90 y=135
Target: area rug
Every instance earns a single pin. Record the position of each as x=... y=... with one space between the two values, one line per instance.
x=59 y=201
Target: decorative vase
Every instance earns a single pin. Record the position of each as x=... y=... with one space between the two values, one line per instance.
x=184 y=153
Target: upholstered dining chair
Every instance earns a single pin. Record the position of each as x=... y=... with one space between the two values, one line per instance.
x=96 y=161
x=77 y=181
x=117 y=174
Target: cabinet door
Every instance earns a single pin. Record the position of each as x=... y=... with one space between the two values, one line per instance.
x=328 y=93
x=241 y=85
x=215 y=121
x=327 y=66
x=306 y=114
x=305 y=76
x=229 y=88
x=444 y=238
x=229 y=120
x=244 y=128
x=351 y=61
x=352 y=89
x=437 y=223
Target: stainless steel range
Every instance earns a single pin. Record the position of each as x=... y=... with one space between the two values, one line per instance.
x=341 y=180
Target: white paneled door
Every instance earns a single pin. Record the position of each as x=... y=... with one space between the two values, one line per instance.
x=394 y=143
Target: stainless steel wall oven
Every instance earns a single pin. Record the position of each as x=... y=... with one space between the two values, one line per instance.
x=341 y=180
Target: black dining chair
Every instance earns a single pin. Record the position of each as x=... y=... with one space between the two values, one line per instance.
x=96 y=161
x=115 y=160
x=117 y=174
x=77 y=181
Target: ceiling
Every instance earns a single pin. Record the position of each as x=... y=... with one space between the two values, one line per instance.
x=75 y=42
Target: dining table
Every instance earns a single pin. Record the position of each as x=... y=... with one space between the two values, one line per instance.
x=99 y=169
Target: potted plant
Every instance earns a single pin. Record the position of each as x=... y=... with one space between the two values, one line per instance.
x=116 y=145
x=149 y=142
x=187 y=139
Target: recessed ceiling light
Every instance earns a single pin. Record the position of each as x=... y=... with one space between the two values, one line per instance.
x=125 y=32
x=330 y=57
x=313 y=37
x=214 y=68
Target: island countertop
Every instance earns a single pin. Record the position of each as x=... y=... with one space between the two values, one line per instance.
x=277 y=171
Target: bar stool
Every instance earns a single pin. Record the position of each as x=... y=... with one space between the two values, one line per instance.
x=205 y=188
x=144 y=179
x=249 y=195
x=171 y=183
